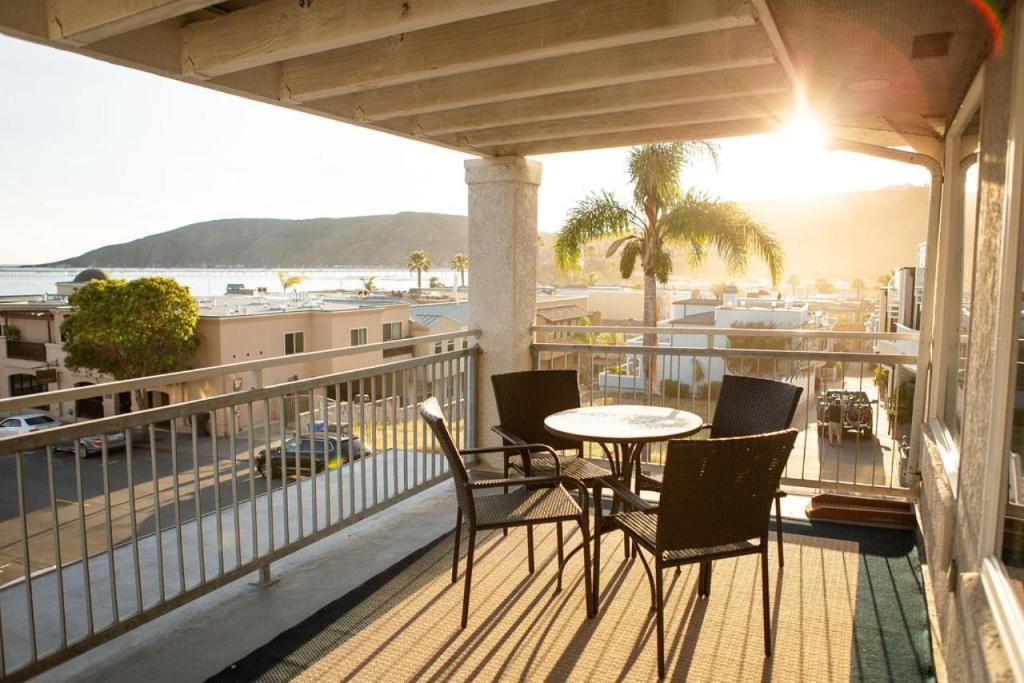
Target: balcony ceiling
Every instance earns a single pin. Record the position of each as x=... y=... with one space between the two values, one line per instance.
x=493 y=77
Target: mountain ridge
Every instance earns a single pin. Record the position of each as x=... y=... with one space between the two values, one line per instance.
x=845 y=235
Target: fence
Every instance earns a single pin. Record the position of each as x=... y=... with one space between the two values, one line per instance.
x=869 y=459
x=155 y=519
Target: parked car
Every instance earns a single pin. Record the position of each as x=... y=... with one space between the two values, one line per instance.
x=25 y=423
x=311 y=455
x=93 y=444
x=857 y=412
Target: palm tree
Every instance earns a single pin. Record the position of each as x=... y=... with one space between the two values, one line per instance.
x=660 y=215
x=793 y=281
x=822 y=286
x=460 y=264
x=858 y=287
x=419 y=262
x=368 y=282
x=288 y=282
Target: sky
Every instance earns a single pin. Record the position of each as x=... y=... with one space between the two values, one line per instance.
x=94 y=154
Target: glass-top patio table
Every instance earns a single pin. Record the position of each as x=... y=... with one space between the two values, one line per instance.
x=622 y=431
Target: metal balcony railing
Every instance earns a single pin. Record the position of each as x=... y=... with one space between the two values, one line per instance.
x=689 y=363
x=25 y=350
x=116 y=521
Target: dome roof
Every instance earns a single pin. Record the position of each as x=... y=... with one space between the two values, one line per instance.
x=90 y=274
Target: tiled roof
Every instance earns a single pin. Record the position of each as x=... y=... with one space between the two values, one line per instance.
x=561 y=313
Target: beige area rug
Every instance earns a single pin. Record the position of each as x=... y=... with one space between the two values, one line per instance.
x=520 y=629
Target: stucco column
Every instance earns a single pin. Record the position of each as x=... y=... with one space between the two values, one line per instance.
x=503 y=280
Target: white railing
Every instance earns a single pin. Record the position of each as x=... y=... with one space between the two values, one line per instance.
x=870 y=459
x=175 y=502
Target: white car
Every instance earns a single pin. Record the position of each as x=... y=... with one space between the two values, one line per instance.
x=25 y=423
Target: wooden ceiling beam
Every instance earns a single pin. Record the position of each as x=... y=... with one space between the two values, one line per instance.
x=768 y=106
x=704 y=131
x=276 y=30
x=704 y=87
x=80 y=22
x=558 y=28
x=685 y=55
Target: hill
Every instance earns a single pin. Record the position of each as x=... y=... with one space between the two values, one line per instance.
x=840 y=236
x=271 y=243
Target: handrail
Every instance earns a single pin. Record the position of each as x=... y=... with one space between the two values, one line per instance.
x=104 y=388
x=725 y=332
x=139 y=418
x=785 y=354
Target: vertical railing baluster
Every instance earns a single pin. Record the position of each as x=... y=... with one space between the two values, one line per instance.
x=233 y=450
x=132 y=518
x=157 y=525
x=26 y=558
x=300 y=509
x=405 y=429
x=58 y=560
x=200 y=537
x=327 y=459
x=313 y=476
x=112 y=574
x=393 y=399
x=215 y=456
x=282 y=406
x=177 y=510
x=83 y=541
x=351 y=449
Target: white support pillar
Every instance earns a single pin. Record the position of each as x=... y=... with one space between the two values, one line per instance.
x=503 y=281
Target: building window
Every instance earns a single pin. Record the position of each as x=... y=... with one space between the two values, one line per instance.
x=357 y=337
x=392 y=331
x=438 y=347
x=954 y=401
x=293 y=343
x=451 y=344
x=23 y=385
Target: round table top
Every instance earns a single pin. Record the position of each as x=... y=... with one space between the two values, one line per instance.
x=623 y=423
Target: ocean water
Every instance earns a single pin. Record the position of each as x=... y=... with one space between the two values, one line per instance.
x=208 y=281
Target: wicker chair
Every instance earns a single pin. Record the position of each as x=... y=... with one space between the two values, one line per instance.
x=715 y=503
x=748 y=406
x=541 y=500
x=524 y=399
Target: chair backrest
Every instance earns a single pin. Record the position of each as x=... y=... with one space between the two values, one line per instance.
x=525 y=398
x=718 y=491
x=752 y=405
x=432 y=414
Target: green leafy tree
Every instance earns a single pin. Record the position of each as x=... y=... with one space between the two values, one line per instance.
x=419 y=263
x=435 y=283
x=822 y=286
x=129 y=329
x=661 y=215
x=369 y=283
x=757 y=366
x=460 y=264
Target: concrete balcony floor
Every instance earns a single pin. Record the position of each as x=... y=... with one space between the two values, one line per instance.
x=843 y=608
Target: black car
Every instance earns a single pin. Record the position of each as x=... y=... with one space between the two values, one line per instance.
x=312 y=455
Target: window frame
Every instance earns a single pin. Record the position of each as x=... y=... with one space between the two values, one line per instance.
x=386 y=331
x=352 y=336
x=295 y=335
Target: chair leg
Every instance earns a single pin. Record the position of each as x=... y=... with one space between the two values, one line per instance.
x=596 y=586
x=504 y=531
x=587 y=583
x=778 y=527
x=766 y=608
x=458 y=536
x=561 y=554
x=660 y=616
x=529 y=547
x=469 y=575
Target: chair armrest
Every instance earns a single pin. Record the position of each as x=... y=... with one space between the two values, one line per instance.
x=508 y=436
x=624 y=492
x=527 y=450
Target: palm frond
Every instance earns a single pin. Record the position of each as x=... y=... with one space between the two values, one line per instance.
x=617 y=244
x=630 y=254
x=662 y=265
x=704 y=224
x=598 y=216
x=654 y=171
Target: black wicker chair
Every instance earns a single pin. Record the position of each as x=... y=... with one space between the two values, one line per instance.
x=748 y=406
x=540 y=500
x=716 y=500
x=524 y=399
